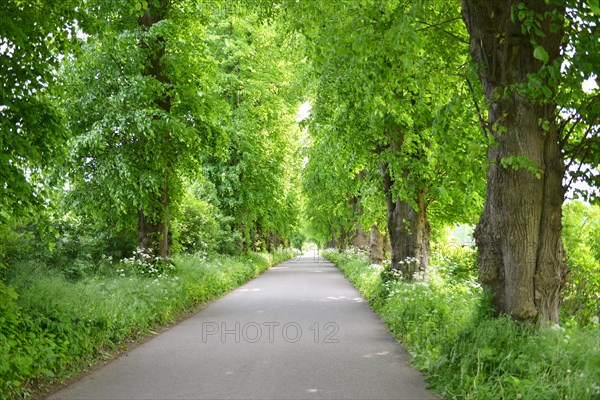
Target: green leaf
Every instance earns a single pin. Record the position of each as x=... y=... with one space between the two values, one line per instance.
x=595 y=6
x=499 y=128
x=541 y=54
x=554 y=27
x=546 y=91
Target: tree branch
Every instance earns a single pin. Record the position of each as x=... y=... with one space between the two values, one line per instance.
x=437 y=27
x=482 y=121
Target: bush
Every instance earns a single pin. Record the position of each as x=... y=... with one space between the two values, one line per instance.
x=200 y=227
x=67 y=245
x=454 y=263
x=27 y=349
x=196 y=227
x=452 y=334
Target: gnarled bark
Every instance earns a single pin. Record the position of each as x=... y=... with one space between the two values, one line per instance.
x=360 y=238
x=376 y=246
x=521 y=256
x=408 y=229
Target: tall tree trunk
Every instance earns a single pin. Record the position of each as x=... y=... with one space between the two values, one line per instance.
x=333 y=243
x=521 y=256
x=245 y=238
x=153 y=238
x=376 y=246
x=154 y=226
x=268 y=241
x=342 y=239
x=408 y=229
x=154 y=233
x=360 y=238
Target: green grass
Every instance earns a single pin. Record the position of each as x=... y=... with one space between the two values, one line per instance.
x=57 y=326
x=467 y=353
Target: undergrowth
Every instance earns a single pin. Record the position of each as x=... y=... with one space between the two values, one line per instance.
x=57 y=326
x=466 y=351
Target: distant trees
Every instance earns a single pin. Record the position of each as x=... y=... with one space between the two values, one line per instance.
x=396 y=95
x=256 y=171
x=394 y=118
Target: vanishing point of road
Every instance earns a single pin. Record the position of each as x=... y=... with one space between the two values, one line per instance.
x=298 y=331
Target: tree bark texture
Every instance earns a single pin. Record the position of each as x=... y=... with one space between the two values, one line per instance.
x=408 y=228
x=521 y=256
x=153 y=238
x=154 y=235
x=360 y=238
x=376 y=246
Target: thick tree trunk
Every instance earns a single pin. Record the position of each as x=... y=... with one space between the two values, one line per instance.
x=360 y=238
x=269 y=241
x=387 y=246
x=154 y=238
x=342 y=240
x=521 y=256
x=376 y=246
x=154 y=232
x=408 y=229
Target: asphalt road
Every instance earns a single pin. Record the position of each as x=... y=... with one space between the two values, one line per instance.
x=299 y=331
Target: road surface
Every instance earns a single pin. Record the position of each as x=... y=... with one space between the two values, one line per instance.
x=298 y=331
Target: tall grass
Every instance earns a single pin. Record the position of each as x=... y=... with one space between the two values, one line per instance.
x=466 y=351
x=57 y=326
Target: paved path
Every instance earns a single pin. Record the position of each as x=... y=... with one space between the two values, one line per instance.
x=299 y=331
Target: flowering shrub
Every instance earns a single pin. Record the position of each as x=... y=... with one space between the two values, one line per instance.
x=409 y=264
x=200 y=255
x=144 y=263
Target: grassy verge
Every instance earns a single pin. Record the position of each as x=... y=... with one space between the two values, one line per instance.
x=466 y=352
x=57 y=327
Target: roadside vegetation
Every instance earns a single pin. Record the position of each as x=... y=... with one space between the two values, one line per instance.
x=68 y=316
x=150 y=149
x=466 y=349
x=150 y=163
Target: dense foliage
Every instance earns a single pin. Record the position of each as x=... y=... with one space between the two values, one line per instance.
x=393 y=123
x=141 y=139
x=255 y=172
x=581 y=301
x=396 y=110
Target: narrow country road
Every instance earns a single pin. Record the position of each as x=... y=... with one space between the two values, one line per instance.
x=299 y=331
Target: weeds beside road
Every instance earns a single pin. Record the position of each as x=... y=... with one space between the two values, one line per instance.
x=466 y=352
x=57 y=327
